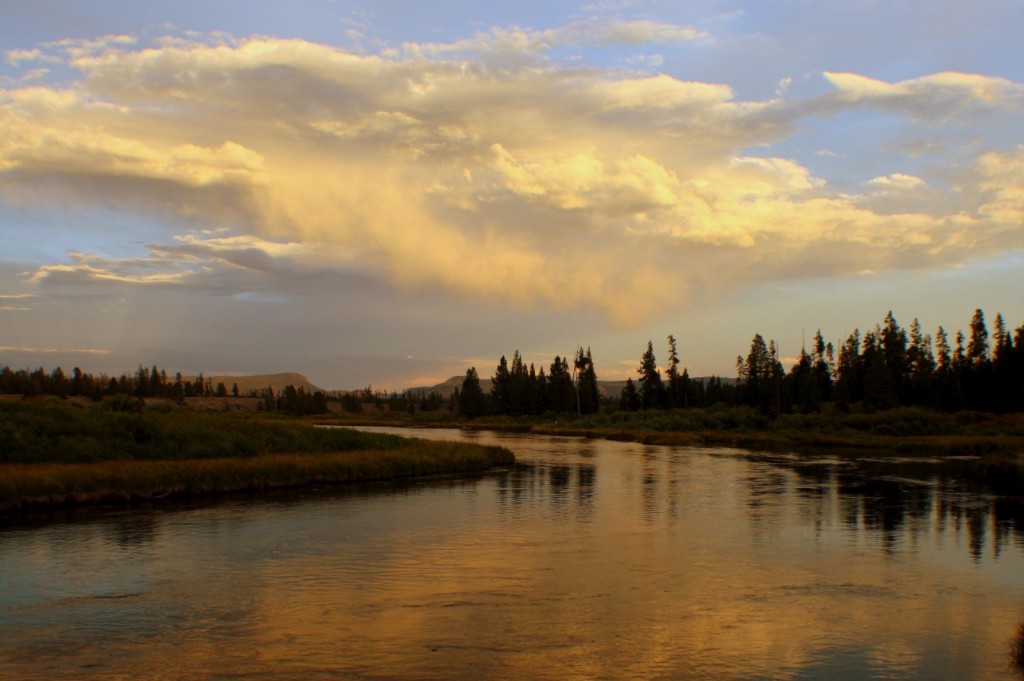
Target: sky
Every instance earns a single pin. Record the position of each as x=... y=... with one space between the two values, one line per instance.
x=386 y=193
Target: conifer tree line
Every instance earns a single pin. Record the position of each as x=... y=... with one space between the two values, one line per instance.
x=885 y=367
x=890 y=366
x=518 y=390
x=153 y=382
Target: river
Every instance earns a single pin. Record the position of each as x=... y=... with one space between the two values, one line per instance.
x=590 y=560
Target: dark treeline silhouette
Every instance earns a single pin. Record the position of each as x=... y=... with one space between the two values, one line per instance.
x=889 y=367
x=883 y=368
x=518 y=390
x=677 y=390
x=143 y=383
x=152 y=383
x=408 y=401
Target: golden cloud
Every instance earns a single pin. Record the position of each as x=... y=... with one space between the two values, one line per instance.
x=529 y=183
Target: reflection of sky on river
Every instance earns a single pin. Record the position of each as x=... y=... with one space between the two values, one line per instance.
x=600 y=560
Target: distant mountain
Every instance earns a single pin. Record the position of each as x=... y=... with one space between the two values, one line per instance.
x=259 y=382
x=447 y=389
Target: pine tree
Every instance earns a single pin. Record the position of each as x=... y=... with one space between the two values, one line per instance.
x=629 y=400
x=519 y=386
x=1003 y=397
x=532 y=405
x=893 y=342
x=59 y=384
x=543 y=400
x=142 y=382
x=561 y=393
x=758 y=374
x=471 y=396
x=1017 y=369
x=879 y=387
x=977 y=347
x=651 y=388
x=588 y=395
x=922 y=368
x=675 y=391
x=848 y=371
x=821 y=370
x=501 y=388
x=802 y=387
x=776 y=377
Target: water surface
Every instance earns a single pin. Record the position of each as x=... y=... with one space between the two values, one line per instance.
x=593 y=560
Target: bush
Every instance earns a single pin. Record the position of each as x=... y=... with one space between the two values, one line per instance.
x=123 y=403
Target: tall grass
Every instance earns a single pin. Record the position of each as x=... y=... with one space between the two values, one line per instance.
x=58 y=432
x=51 y=484
x=54 y=453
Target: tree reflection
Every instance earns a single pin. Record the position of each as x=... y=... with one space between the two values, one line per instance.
x=565 y=488
x=883 y=508
x=649 y=493
x=766 y=488
x=134 y=529
x=1007 y=522
x=586 y=476
x=1017 y=650
x=558 y=481
x=896 y=500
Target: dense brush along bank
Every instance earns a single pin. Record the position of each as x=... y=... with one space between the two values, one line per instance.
x=55 y=453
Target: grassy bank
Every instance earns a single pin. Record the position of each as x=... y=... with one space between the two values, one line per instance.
x=52 y=431
x=54 y=454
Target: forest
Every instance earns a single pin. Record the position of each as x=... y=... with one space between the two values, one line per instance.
x=882 y=368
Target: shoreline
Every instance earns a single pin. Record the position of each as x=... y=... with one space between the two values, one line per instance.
x=998 y=458
x=790 y=440
x=33 y=487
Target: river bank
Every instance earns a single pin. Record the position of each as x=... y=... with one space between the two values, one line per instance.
x=994 y=442
x=54 y=455
x=37 y=486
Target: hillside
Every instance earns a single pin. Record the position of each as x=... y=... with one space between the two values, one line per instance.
x=258 y=382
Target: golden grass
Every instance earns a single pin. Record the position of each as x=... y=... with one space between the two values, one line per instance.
x=55 y=484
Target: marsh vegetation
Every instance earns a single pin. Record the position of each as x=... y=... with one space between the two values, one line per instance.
x=59 y=453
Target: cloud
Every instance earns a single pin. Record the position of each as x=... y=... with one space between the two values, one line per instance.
x=281 y=163
x=896 y=181
x=214 y=262
x=592 y=32
x=85 y=269
x=782 y=87
x=16 y=302
x=52 y=351
x=942 y=96
x=1001 y=188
